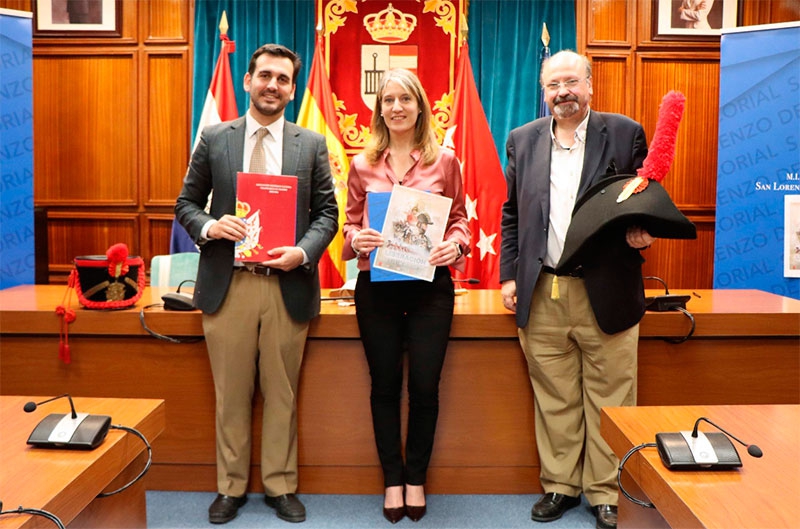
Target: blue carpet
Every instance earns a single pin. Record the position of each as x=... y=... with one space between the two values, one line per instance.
x=176 y=510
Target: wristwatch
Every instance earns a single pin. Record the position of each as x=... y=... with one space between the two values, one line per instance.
x=458 y=248
x=353 y=246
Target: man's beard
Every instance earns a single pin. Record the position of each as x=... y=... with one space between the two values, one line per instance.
x=270 y=108
x=566 y=111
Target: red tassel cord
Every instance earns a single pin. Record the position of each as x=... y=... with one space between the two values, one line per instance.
x=66 y=316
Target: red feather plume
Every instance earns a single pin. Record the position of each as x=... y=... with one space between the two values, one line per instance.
x=662 y=149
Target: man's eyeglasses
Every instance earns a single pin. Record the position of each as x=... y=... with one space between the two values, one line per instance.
x=569 y=84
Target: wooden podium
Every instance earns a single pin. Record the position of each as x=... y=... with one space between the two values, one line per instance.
x=761 y=494
x=744 y=351
x=66 y=482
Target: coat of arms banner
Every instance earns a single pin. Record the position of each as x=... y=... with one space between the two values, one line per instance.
x=367 y=37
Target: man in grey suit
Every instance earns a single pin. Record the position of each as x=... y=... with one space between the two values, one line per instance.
x=255 y=318
x=578 y=328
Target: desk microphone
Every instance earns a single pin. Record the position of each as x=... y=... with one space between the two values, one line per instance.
x=753 y=450
x=470 y=280
x=68 y=430
x=31 y=406
x=701 y=451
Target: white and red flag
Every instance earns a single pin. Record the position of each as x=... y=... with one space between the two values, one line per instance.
x=219 y=106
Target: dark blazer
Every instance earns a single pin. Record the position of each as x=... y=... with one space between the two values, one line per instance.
x=214 y=164
x=615 y=144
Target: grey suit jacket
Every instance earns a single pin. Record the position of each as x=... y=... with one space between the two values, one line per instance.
x=615 y=144
x=214 y=164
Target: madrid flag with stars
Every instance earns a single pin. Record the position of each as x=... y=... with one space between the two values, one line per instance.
x=484 y=184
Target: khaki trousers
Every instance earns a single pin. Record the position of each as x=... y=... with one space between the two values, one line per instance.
x=253 y=335
x=575 y=370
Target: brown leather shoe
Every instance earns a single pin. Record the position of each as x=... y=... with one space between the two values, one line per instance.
x=225 y=508
x=606 y=516
x=552 y=506
x=288 y=507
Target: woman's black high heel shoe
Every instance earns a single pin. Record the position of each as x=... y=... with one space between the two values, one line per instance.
x=394 y=514
x=415 y=513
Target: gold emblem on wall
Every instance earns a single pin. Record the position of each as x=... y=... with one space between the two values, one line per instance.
x=364 y=38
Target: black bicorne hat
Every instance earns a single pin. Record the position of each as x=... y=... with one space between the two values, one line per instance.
x=597 y=213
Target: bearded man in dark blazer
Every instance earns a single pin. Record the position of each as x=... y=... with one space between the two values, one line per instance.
x=578 y=328
x=255 y=317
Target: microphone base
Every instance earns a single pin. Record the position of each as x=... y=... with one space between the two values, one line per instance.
x=677 y=454
x=59 y=430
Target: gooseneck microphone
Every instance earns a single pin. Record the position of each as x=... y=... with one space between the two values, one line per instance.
x=30 y=406
x=469 y=280
x=753 y=450
x=72 y=430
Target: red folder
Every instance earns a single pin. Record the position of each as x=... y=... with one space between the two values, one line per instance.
x=268 y=205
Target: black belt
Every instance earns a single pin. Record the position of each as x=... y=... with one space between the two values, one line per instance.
x=577 y=272
x=260 y=270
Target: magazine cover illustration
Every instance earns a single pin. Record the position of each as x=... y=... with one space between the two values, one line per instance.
x=377 y=204
x=415 y=223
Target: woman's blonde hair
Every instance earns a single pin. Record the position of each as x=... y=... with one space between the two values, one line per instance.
x=424 y=138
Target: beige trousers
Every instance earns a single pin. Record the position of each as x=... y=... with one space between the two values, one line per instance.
x=252 y=335
x=575 y=370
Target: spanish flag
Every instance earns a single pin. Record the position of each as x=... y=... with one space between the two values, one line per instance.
x=317 y=113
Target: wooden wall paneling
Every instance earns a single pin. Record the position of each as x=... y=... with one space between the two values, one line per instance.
x=609 y=23
x=85 y=133
x=784 y=11
x=166 y=124
x=166 y=21
x=692 y=180
x=156 y=234
x=693 y=177
x=682 y=263
x=72 y=234
x=644 y=22
x=755 y=12
x=130 y=21
x=18 y=5
x=611 y=79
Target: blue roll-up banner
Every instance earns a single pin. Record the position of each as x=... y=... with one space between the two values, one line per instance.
x=757 y=243
x=17 y=255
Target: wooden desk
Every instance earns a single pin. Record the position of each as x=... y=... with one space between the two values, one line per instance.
x=763 y=493
x=66 y=482
x=745 y=351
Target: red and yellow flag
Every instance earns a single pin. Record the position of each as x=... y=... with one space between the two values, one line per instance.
x=318 y=113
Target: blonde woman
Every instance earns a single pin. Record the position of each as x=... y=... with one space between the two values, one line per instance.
x=404 y=317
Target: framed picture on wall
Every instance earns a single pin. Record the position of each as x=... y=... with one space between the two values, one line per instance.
x=77 y=18
x=693 y=19
x=791 y=235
